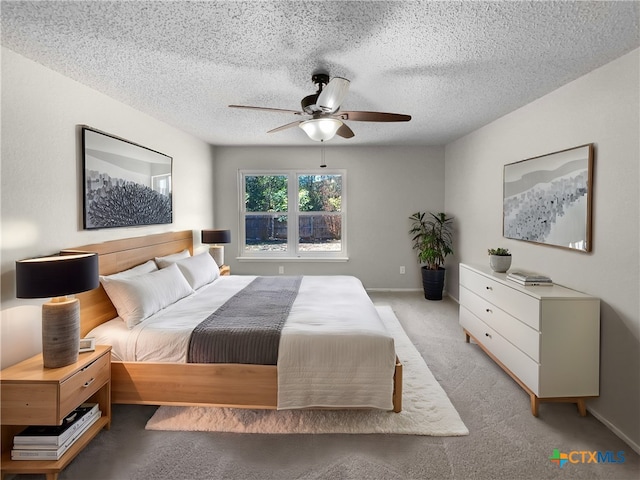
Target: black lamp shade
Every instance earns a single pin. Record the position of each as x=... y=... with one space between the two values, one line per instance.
x=216 y=236
x=56 y=276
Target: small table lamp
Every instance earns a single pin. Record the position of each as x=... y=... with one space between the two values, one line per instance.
x=215 y=237
x=57 y=277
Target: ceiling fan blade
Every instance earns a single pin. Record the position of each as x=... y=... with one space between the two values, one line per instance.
x=373 y=116
x=333 y=95
x=268 y=109
x=345 y=132
x=284 y=127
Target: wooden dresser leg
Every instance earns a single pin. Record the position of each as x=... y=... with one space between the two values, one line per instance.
x=535 y=403
x=467 y=339
x=582 y=407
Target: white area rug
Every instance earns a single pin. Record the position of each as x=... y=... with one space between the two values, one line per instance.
x=426 y=409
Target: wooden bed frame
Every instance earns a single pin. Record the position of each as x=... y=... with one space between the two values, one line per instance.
x=159 y=383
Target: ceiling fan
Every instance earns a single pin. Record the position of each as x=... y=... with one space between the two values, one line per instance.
x=327 y=120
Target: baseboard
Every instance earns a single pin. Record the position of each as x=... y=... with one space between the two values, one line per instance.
x=615 y=430
x=387 y=289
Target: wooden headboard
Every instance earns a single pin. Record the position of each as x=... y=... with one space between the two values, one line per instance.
x=116 y=256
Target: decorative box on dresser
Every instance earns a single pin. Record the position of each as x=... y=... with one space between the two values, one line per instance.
x=547 y=338
x=34 y=395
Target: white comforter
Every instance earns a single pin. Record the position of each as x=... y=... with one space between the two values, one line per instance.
x=334 y=349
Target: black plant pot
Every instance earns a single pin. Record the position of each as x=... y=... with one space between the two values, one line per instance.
x=432 y=283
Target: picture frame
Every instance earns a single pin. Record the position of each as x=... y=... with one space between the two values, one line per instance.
x=124 y=184
x=87 y=344
x=547 y=199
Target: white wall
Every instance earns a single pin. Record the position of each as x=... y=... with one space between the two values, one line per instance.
x=601 y=107
x=41 y=179
x=385 y=185
x=41 y=203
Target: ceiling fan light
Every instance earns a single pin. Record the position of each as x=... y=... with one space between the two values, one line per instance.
x=330 y=99
x=321 y=129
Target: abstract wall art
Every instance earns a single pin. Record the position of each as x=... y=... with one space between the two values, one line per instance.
x=125 y=184
x=547 y=199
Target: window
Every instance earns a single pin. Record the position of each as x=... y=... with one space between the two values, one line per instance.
x=293 y=214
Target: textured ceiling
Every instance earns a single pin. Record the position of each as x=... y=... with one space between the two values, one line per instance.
x=453 y=66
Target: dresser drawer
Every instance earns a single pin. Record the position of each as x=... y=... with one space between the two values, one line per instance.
x=513 y=359
x=522 y=336
x=511 y=300
x=84 y=383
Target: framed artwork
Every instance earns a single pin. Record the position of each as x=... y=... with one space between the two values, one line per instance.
x=547 y=199
x=125 y=184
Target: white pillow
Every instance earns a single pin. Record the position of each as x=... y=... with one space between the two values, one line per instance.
x=146 y=267
x=140 y=296
x=174 y=257
x=199 y=270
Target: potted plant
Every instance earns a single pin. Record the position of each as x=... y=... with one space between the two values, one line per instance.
x=499 y=259
x=432 y=237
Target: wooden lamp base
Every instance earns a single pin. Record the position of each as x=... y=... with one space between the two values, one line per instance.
x=60 y=332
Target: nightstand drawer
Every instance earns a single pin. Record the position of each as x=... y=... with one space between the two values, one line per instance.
x=29 y=404
x=87 y=381
x=33 y=395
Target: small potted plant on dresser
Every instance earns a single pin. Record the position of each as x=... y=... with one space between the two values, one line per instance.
x=499 y=259
x=432 y=236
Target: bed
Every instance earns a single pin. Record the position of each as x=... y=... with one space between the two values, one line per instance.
x=140 y=378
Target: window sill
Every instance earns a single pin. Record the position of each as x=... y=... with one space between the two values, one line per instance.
x=293 y=259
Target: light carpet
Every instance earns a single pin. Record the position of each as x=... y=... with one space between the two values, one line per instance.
x=426 y=409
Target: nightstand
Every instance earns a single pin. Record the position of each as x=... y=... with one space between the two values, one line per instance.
x=34 y=395
x=225 y=270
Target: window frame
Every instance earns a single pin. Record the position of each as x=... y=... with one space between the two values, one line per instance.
x=293 y=215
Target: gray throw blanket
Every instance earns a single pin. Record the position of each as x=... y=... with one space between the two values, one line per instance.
x=246 y=329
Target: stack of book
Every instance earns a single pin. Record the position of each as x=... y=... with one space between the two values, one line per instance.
x=529 y=279
x=50 y=442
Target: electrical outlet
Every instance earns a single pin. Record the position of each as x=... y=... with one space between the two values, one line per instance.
x=402 y=270
x=280 y=269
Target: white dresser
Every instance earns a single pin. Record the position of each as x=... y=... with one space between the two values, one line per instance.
x=547 y=338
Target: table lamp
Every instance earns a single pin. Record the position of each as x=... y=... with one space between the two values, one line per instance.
x=57 y=277
x=215 y=237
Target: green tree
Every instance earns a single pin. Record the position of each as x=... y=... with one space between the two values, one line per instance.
x=266 y=193
x=320 y=193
